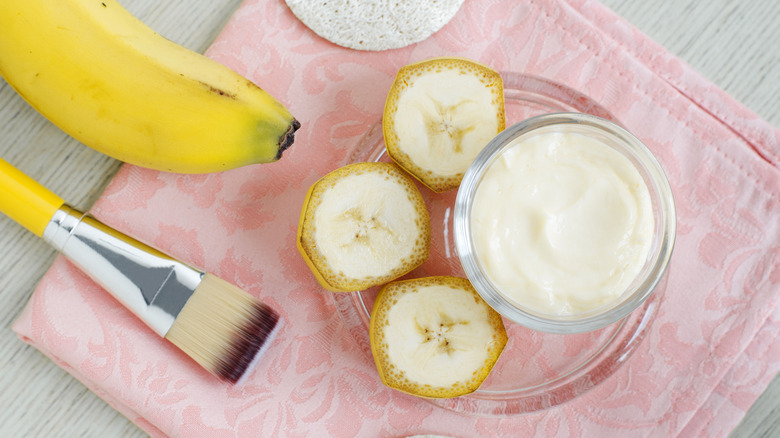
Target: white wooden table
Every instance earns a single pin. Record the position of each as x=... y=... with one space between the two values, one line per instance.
x=735 y=43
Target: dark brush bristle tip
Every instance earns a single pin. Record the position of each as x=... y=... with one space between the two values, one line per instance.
x=250 y=339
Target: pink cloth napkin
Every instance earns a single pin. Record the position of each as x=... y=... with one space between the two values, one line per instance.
x=709 y=353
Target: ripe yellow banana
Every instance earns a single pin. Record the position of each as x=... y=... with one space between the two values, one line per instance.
x=117 y=86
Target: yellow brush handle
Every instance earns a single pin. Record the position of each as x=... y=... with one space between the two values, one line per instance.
x=25 y=201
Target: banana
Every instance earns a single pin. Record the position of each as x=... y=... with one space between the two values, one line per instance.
x=439 y=113
x=363 y=225
x=114 y=84
x=434 y=337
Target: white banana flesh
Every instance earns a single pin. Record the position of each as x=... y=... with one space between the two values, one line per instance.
x=434 y=336
x=363 y=225
x=447 y=118
x=439 y=114
x=366 y=225
x=438 y=335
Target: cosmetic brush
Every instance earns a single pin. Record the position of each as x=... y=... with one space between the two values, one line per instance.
x=223 y=328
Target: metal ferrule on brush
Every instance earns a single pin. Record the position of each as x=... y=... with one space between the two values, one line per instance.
x=152 y=285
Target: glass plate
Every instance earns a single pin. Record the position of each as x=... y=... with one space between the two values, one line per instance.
x=536 y=370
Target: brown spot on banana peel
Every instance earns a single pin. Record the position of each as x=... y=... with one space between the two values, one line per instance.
x=287 y=139
x=221 y=92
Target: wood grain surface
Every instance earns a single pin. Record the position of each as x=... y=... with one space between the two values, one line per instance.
x=734 y=43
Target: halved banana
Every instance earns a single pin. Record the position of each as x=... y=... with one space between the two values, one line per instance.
x=363 y=225
x=439 y=114
x=434 y=337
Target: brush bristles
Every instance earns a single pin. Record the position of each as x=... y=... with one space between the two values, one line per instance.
x=223 y=328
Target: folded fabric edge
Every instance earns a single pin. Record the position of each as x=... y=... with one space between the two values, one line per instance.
x=760 y=134
x=21 y=327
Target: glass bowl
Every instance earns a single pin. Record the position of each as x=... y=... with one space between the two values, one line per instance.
x=662 y=203
x=536 y=370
